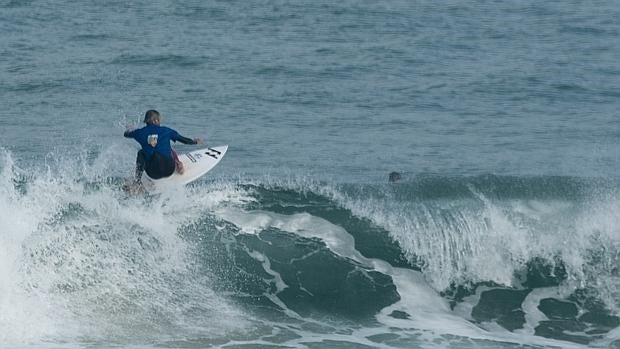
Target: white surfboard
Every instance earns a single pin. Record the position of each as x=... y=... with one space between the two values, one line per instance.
x=195 y=164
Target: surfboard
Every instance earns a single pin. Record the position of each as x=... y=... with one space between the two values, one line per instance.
x=195 y=165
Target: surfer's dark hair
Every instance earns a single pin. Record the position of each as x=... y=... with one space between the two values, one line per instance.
x=150 y=115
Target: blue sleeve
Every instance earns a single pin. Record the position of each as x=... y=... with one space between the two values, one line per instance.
x=174 y=135
x=178 y=138
x=130 y=134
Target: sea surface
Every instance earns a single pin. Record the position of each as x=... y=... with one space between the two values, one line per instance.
x=502 y=119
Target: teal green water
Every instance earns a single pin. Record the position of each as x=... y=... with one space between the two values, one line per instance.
x=501 y=117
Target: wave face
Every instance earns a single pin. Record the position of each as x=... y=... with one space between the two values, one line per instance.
x=433 y=261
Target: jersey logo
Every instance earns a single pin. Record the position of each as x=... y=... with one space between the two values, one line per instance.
x=152 y=140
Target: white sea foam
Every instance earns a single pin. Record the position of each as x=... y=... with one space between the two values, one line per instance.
x=79 y=261
x=23 y=316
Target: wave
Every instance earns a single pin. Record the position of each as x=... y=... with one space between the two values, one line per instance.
x=79 y=260
x=430 y=260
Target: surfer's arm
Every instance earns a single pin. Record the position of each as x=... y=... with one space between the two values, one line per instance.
x=186 y=140
x=129 y=132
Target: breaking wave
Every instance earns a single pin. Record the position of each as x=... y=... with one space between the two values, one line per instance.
x=529 y=261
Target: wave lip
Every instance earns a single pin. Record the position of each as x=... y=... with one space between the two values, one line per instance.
x=450 y=234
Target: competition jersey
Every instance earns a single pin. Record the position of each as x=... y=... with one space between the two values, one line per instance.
x=155 y=139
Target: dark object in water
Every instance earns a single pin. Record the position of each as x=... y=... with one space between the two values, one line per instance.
x=394 y=176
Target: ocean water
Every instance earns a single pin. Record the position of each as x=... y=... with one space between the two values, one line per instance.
x=501 y=117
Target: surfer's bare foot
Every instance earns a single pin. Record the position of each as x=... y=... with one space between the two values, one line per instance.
x=180 y=168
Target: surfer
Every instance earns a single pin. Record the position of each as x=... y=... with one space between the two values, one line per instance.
x=157 y=157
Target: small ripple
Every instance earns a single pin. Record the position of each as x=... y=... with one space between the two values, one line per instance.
x=176 y=60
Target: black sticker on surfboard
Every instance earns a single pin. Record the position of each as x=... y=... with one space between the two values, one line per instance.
x=211 y=154
x=216 y=151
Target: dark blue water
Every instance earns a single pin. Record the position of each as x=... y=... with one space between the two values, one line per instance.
x=502 y=118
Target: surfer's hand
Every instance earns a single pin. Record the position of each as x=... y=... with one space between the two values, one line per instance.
x=129 y=128
x=198 y=140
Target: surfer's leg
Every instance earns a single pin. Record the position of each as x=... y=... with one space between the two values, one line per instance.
x=177 y=163
x=140 y=164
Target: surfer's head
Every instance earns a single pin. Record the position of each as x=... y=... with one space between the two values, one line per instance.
x=394 y=176
x=152 y=117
